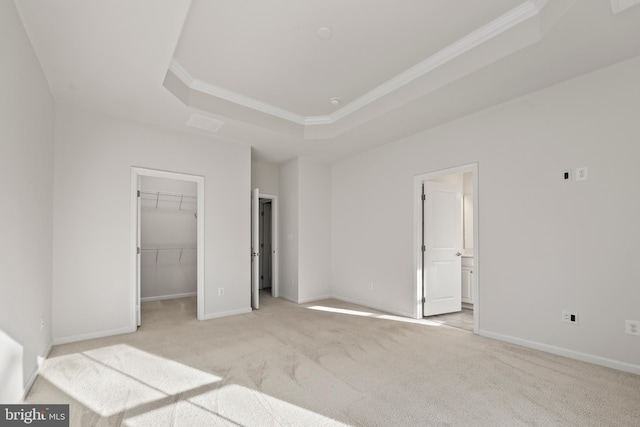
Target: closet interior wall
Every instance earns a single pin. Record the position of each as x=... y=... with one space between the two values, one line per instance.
x=168 y=226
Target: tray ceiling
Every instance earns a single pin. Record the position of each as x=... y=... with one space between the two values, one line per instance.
x=264 y=72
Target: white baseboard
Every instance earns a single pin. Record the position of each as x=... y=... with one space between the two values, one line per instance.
x=288 y=298
x=227 y=313
x=92 y=335
x=560 y=351
x=36 y=372
x=374 y=306
x=313 y=299
x=174 y=296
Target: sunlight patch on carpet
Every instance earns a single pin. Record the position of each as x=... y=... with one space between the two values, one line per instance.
x=374 y=316
x=232 y=405
x=97 y=378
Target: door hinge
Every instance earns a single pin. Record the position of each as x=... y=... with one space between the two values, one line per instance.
x=424 y=197
x=424 y=300
x=139 y=250
x=138 y=193
x=424 y=248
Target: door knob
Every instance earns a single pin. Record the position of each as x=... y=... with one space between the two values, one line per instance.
x=458 y=254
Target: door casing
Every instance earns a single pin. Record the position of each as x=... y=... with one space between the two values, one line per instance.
x=136 y=173
x=275 y=285
x=417 y=233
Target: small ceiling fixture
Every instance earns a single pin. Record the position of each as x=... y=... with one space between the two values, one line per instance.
x=325 y=33
x=335 y=101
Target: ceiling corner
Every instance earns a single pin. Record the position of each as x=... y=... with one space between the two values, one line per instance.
x=618 y=6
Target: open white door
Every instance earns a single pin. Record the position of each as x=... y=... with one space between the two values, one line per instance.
x=442 y=246
x=255 y=249
x=138 y=259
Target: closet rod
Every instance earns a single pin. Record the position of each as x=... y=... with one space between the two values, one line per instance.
x=168 y=249
x=157 y=195
x=166 y=193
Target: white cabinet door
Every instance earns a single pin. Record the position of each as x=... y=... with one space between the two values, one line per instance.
x=467 y=285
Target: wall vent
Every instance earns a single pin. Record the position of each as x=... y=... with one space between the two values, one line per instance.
x=203 y=122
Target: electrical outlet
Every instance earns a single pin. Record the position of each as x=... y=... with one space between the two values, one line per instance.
x=582 y=174
x=220 y=292
x=569 y=317
x=632 y=327
x=370 y=286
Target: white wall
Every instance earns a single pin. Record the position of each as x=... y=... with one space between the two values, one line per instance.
x=288 y=230
x=26 y=172
x=314 y=231
x=545 y=245
x=94 y=154
x=169 y=225
x=265 y=176
x=305 y=223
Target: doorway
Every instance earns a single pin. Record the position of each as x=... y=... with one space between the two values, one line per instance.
x=168 y=260
x=264 y=244
x=446 y=246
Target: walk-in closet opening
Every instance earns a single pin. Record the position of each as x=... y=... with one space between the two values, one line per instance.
x=168 y=244
x=168 y=238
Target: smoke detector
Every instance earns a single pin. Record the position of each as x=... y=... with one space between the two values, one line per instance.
x=325 y=33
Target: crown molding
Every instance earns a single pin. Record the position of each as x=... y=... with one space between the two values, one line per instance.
x=618 y=6
x=219 y=92
x=179 y=71
x=507 y=21
x=318 y=120
x=539 y=4
x=494 y=28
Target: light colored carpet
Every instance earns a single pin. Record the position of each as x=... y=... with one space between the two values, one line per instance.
x=323 y=364
x=462 y=319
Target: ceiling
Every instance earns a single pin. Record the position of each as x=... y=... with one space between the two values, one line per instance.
x=264 y=72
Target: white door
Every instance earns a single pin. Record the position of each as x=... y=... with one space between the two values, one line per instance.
x=255 y=249
x=443 y=244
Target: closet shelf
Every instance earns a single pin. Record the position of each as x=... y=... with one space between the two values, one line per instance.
x=158 y=250
x=178 y=198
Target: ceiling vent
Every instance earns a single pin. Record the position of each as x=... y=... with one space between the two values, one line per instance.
x=204 y=123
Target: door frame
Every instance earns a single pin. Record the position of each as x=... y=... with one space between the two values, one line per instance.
x=275 y=288
x=136 y=174
x=417 y=230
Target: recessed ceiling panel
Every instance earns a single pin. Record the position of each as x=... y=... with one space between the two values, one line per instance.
x=297 y=55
